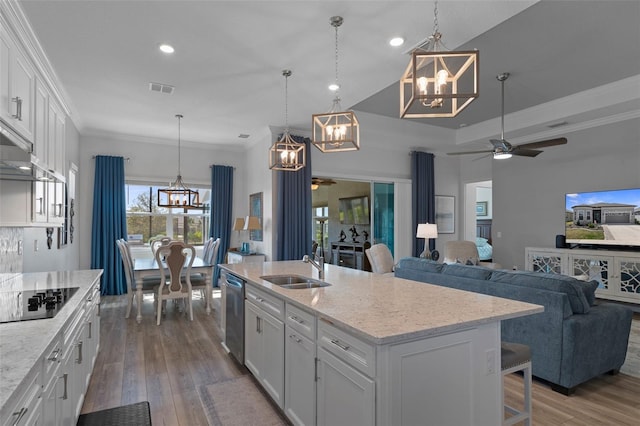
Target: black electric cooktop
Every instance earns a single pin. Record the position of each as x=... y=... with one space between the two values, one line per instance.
x=33 y=304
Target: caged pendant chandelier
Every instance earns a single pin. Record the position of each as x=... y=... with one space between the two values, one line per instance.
x=336 y=130
x=287 y=154
x=438 y=83
x=178 y=195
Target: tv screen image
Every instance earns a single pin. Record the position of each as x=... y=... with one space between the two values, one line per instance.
x=354 y=210
x=608 y=218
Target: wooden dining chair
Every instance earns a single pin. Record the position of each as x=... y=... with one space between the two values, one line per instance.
x=157 y=242
x=149 y=284
x=176 y=255
x=198 y=280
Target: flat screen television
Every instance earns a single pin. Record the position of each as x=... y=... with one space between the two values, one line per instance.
x=354 y=210
x=603 y=219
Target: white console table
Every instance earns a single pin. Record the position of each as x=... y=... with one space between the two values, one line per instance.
x=617 y=271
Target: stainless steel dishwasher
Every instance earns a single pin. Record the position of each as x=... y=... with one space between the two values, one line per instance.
x=234 y=316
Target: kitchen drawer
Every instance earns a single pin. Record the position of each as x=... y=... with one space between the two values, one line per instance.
x=265 y=301
x=26 y=408
x=52 y=358
x=301 y=321
x=352 y=350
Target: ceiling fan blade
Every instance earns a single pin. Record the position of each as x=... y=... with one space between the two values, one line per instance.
x=500 y=143
x=543 y=144
x=470 y=152
x=525 y=152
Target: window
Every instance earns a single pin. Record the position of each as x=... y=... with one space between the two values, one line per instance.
x=145 y=219
x=321 y=225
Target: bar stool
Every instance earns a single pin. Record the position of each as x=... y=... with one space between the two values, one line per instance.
x=517 y=357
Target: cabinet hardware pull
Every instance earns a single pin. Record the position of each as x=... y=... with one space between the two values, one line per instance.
x=54 y=356
x=258 y=325
x=296 y=319
x=296 y=338
x=315 y=369
x=18 y=102
x=65 y=377
x=41 y=205
x=79 y=345
x=20 y=415
x=89 y=329
x=339 y=344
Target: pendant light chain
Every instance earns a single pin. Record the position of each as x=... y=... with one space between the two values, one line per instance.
x=337 y=83
x=179 y=117
x=286 y=74
x=436 y=27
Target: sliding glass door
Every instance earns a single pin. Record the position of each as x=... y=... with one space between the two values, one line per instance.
x=383 y=214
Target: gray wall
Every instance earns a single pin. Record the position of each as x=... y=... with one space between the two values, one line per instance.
x=528 y=193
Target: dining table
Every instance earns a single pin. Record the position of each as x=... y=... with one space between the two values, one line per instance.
x=144 y=267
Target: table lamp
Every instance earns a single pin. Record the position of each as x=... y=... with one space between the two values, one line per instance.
x=251 y=223
x=427 y=231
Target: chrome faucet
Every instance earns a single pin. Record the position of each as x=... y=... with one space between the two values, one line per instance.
x=319 y=265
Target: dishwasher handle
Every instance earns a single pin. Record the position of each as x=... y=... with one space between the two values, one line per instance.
x=233 y=281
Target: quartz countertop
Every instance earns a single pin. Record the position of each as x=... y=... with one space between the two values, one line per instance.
x=381 y=308
x=22 y=343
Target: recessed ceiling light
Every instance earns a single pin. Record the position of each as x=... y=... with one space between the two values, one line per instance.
x=396 y=41
x=166 y=48
x=333 y=87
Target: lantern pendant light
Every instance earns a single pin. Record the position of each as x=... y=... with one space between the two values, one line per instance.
x=336 y=130
x=178 y=195
x=438 y=83
x=287 y=154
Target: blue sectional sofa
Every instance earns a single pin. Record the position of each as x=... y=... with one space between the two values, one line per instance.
x=575 y=339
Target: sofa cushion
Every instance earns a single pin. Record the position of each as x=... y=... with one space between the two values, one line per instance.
x=467 y=271
x=420 y=264
x=552 y=282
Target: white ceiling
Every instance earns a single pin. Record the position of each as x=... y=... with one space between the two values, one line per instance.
x=227 y=68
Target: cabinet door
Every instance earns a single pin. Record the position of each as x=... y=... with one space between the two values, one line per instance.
x=52 y=402
x=41 y=126
x=299 y=377
x=272 y=334
x=5 y=53
x=264 y=350
x=22 y=86
x=252 y=340
x=345 y=396
x=40 y=202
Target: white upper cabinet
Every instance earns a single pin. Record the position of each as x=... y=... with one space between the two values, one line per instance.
x=18 y=87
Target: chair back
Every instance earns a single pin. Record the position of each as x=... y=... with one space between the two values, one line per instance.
x=212 y=256
x=127 y=263
x=176 y=255
x=461 y=251
x=380 y=258
x=206 y=248
x=158 y=242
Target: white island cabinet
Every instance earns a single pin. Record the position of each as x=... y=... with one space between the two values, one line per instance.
x=46 y=364
x=377 y=350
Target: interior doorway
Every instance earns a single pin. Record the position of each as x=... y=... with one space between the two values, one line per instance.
x=478 y=210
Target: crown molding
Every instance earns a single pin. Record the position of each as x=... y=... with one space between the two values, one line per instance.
x=535 y=120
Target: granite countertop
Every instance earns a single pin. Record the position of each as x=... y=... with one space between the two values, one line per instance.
x=23 y=343
x=384 y=309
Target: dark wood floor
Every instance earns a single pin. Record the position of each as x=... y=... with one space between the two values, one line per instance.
x=166 y=364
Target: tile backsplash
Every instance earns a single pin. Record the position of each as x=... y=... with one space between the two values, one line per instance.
x=11 y=249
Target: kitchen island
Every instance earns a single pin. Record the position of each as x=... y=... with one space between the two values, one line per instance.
x=374 y=349
x=46 y=364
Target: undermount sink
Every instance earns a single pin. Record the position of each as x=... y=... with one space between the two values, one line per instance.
x=294 y=282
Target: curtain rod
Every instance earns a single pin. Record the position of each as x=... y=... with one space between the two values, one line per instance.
x=126 y=158
x=211 y=166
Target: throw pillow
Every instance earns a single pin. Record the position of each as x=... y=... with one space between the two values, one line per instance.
x=481 y=242
x=589 y=290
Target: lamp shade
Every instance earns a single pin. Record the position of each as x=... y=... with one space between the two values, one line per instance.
x=251 y=223
x=427 y=230
x=238 y=225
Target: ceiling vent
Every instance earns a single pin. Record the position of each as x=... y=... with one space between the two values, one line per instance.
x=162 y=88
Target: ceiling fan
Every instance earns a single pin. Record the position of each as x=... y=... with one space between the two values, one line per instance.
x=316 y=182
x=503 y=149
